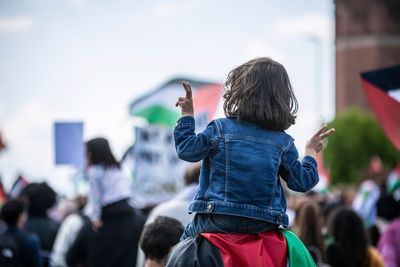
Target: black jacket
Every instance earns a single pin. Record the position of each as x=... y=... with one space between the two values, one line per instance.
x=114 y=244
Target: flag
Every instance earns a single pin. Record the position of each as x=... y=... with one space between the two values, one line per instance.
x=158 y=106
x=382 y=88
x=323 y=173
x=18 y=185
x=2 y=193
x=272 y=248
x=2 y=143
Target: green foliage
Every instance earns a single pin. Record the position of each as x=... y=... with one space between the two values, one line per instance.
x=357 y=139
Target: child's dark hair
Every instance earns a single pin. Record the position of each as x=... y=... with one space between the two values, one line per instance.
x=99 y=153
x=259 y=91
x=12 y=210
x=159 y=237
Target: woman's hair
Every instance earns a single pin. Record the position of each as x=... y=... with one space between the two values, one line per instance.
x=308 y=220
x=349 y=235
x=98 y=152
x=259 y=91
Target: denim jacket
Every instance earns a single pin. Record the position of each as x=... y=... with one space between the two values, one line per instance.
x=241 y=166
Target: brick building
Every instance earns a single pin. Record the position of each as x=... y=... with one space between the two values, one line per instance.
x=367 y=38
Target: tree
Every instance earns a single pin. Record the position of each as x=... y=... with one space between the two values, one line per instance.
x=357 y=139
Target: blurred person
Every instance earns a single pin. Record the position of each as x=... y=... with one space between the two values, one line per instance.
x=108 y=186
x=112 y=235
x=364 y=204
x=389 y=211
x=244 y=154
x=67 y=233
x=158 y=238
x=349 y=245
x=308 y=227
x=114 y=244
x=17 y=247
x=41 y=197
x=176 y=207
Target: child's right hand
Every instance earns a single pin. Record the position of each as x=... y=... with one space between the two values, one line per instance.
x=186 y=103
x=315 y=144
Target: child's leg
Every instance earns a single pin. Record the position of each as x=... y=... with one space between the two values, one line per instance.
x=196 y=226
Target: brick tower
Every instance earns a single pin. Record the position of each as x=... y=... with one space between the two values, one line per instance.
x=367 y=38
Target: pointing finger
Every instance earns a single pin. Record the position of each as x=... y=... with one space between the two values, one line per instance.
x=188 y=90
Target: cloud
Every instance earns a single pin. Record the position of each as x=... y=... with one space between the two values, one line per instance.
x=163 y=10
x=76 y=3
x=311 y=26
x=15 y=24
x=255 y=48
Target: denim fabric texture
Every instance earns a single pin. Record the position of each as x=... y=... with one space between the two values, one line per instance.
x=241 y=165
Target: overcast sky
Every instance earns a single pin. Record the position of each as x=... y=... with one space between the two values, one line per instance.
x=86 y=60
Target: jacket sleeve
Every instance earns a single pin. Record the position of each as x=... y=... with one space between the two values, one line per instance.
x=191 y=147
x=96 y=191
x=300 y=176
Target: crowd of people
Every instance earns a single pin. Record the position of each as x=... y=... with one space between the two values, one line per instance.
x=251 y=182
x=329 y=224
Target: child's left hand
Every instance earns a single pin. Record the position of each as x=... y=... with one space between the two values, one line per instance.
x=186 y=103
x=315 y=144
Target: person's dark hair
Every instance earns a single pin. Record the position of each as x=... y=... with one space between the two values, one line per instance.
x=259 y=91
x=40 y=197
x=12 y=210
x=192 y=175
x=159 y=237
x=350 y=237
x=308 y=220
x=98 y=152
x=387 y=207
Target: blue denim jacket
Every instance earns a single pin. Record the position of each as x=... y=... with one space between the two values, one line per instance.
x=241 y=167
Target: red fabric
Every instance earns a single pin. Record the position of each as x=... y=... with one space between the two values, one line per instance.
x=256 y=250
x=386 y=109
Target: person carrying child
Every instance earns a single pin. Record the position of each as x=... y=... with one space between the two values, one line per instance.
x=244 y=154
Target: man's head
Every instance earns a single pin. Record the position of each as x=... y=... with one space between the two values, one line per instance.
x=159 y=237
x=13 y=212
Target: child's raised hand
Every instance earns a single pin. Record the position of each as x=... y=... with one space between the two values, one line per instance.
x=186 y=103
x=315 y=144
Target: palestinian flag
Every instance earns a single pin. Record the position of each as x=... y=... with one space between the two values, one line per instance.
x=158 y=106
x=273 y=248
x=382 y=88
